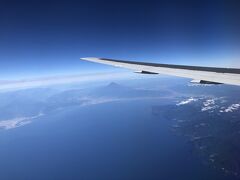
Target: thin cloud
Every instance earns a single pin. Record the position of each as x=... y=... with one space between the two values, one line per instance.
x=58 y=80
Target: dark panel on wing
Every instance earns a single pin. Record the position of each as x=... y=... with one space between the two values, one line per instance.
x=195 y=68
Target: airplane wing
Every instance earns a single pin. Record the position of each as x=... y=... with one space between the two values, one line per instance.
x=204 y=75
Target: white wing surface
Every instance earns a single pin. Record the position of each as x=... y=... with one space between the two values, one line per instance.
x=206 y=75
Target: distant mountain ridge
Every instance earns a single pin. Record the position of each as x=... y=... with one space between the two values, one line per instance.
x=116 y=90
x=33 y=101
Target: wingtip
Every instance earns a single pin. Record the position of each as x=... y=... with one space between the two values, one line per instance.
x=89 y=58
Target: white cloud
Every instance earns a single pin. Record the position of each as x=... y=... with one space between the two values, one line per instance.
x=190 y=100
x=17 y=122
x=212 y=104
x=209 y=102
x=88 y=101
x=232 y=108
x=209 y=105
x=95 y=101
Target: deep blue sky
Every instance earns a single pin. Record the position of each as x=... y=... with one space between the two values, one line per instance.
x=41 y=38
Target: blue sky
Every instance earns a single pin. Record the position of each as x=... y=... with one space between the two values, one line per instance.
x=46 y=38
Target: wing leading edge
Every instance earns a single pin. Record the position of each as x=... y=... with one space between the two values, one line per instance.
x=205 y=74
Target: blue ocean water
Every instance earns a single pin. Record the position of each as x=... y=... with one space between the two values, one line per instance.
x=116 y=140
